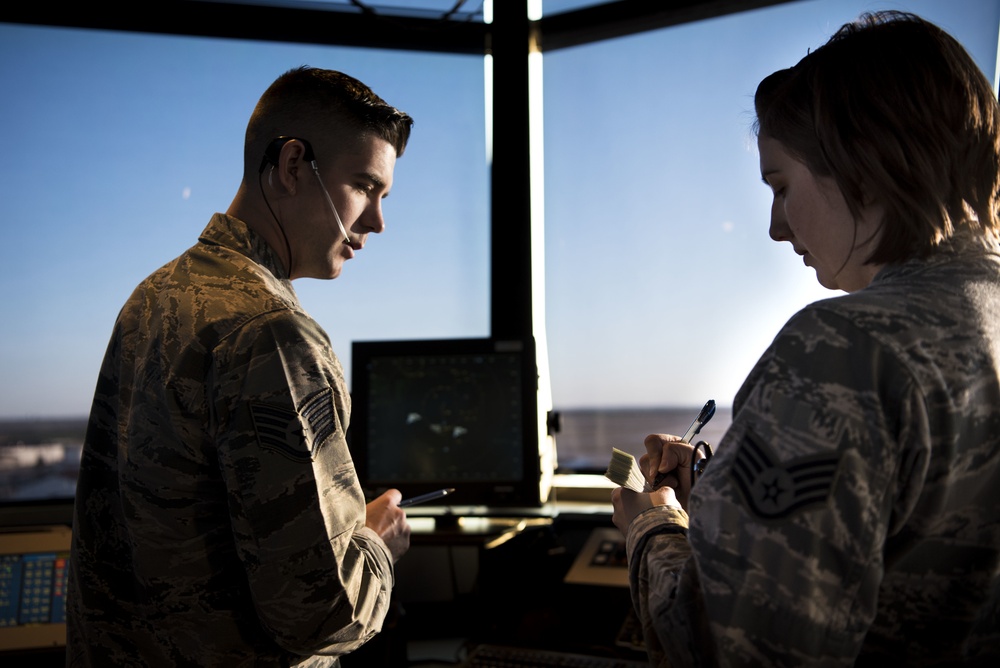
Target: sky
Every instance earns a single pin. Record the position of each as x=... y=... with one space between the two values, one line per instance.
x=661 y=285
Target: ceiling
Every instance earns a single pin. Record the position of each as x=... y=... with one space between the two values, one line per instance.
x=449 y=26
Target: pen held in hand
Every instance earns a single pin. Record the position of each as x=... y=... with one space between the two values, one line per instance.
x=706 y=413
x=423 y=498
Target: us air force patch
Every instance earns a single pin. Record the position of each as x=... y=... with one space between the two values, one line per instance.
x=279 y=430
x=772 y=489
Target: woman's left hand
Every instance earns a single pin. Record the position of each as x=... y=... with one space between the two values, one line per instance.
x=629 y=504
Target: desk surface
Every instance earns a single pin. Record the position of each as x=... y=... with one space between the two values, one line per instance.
x=490 y=526
x=552 y=509
x=486 y=532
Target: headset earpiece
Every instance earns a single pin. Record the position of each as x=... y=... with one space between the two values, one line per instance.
x=273 y=152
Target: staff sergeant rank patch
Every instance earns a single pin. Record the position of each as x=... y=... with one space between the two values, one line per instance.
x=774 y=490
x=318 y=412
x=279 y=430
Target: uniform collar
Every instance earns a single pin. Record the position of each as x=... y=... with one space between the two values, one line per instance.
x=229 y=232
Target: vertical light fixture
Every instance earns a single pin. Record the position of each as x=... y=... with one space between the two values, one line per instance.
x=536 y=169
x=536 y=177
x=488 y=85
x=996 y=67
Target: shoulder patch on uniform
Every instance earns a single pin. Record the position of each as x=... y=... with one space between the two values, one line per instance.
x=772 y=489
x=279 y=430
x=318 y=412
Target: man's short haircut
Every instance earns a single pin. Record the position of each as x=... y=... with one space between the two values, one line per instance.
x=899 y=115
x=306 y=99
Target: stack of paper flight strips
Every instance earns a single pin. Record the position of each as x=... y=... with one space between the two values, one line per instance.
x=624 y=471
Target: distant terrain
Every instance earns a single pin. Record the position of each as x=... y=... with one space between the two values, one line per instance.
x=42 y=430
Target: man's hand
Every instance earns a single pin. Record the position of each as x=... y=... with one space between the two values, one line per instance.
x=384 y=516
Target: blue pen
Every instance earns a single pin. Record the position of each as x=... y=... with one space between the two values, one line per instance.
x=703 y=417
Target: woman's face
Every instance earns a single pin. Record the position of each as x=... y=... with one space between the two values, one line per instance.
x=811 y=213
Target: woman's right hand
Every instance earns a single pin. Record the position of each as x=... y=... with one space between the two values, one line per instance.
x=668 y=455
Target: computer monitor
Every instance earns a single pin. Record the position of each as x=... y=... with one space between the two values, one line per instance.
x=34 y=568
x=448 y=413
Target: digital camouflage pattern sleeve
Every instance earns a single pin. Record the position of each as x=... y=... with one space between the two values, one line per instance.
x=320 y=579
x=219 y=520
x=850 y=514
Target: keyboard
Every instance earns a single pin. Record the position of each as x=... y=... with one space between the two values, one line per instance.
x=504 y=656
x=601 y=561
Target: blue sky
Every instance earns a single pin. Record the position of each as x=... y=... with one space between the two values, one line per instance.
x=662 y=287
x=131 y=142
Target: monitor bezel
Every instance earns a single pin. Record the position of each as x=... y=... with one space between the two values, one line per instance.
x=522 y=492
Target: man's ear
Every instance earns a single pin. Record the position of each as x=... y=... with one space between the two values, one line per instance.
x=291 y=166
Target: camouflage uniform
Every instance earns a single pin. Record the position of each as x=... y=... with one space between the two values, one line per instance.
x=219 y=520
x=851 y=515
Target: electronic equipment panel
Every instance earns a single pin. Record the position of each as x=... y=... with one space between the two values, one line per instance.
x=34 y=568
x=447 y=413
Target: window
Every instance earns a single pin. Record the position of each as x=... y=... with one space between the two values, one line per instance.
x=662 y=285
x=120 y=148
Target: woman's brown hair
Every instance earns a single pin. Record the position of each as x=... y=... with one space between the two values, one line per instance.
x=897 y=112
